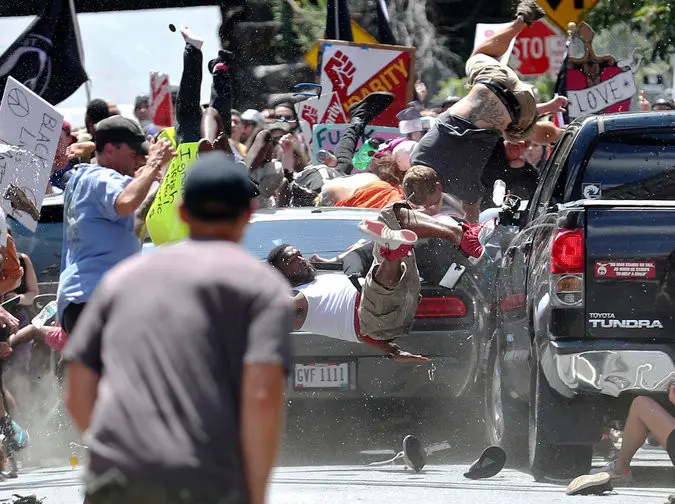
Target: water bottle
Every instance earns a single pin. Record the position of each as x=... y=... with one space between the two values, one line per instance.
x=499 y=192
x=327 y=158
x=47 y=313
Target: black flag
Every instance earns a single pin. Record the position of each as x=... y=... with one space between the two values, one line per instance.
x=384 y=33
x=46 y=56
x=338 y=21
x=560 y=89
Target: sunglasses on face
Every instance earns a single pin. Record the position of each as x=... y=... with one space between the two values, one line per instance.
x=286 y=118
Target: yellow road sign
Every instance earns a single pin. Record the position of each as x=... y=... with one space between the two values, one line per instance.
x=562 y=12
x=360 y=35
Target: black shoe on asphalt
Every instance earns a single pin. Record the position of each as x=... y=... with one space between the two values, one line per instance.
x=413 y=453
x=371 y=106
x=590 y=484
x=530 y=11
x=224 y=56
x=490 y=462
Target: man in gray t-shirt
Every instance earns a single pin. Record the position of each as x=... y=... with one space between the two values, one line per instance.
x=177 y=365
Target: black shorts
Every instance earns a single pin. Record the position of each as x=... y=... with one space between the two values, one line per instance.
x=458 y=151
x=71 y=314
x=670 y=446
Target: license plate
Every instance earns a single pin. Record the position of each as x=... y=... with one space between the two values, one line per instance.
x=321 y=376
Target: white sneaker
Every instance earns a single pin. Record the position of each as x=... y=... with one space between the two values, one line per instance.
x=590 y=484
x=387 y=237
x=610 y=469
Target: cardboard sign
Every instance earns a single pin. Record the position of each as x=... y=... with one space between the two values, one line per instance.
x=163 y=219
x=327 y=136
x=33 y=126
x=625 y=269
x=353 y=71
x=161 y=108
x=324 y=110
x=598 y=84
x=486 y=30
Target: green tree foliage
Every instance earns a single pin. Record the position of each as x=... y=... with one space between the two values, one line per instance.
x=655 y=19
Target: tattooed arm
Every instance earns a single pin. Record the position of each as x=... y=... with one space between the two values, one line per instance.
x=483 y=109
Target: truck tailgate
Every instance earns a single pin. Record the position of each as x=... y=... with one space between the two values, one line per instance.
x=630 y=279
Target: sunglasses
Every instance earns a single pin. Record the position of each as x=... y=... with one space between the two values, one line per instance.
x=286 y=118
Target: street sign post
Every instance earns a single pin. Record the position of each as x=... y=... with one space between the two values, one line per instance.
x=562 y=12
x=539 y=49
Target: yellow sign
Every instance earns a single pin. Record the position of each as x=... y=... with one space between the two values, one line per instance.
x=562 y=12
x=163 y=220
x=360 y=36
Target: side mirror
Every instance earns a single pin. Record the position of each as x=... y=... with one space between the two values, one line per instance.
x=510 y=213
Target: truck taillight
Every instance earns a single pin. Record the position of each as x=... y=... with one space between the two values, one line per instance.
x=567 y=252
x=440 y=307
x=567 y=268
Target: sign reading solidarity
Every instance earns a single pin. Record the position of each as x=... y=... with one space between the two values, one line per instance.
x=30 y=128
x=353 y=71
x=539 y=49
x=562 y=12
x=598 y=84
x=161 y=108
x=327 y=136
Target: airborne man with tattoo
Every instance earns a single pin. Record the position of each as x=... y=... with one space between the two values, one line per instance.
x=460 y=143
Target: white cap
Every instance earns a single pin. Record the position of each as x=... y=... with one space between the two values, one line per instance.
x=253 y=115
x=410 y=126
x=402 y=154
x=3 y=229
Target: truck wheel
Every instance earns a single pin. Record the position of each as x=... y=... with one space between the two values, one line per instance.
x=505 y=418
x=548 y=414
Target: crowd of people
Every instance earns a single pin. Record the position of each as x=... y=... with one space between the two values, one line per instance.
x=162 y=395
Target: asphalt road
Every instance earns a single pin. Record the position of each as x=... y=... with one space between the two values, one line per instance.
x=326 y=451
x=394 y=484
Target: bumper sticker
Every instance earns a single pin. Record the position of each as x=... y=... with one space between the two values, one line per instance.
x=625 y=269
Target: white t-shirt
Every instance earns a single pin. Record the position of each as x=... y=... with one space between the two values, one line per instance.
x=331 y=306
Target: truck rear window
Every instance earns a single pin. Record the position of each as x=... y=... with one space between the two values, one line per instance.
x=634 y=166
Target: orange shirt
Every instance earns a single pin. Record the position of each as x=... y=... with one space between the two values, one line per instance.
x=374 y=195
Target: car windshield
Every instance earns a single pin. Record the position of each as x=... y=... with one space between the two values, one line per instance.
x=636 y=166
x=325 y=237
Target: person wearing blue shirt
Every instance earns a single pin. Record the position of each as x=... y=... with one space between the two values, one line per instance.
x=99 y=205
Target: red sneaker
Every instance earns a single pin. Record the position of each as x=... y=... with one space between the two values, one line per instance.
x=474 y=239
x=394 y=243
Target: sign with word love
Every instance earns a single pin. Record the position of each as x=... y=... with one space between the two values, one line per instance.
x=30 y=128
x=598 y=84
x=539 y=49
x=353 y=71
x=327 y=136
x=324 y=110
x=161 y=108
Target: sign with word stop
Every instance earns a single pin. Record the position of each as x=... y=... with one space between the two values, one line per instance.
x=353 y=71
x=539 y=49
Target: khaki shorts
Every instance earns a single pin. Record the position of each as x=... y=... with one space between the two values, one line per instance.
x=481 y=67
x=386 y=314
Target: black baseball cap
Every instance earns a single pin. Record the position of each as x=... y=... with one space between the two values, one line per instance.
x=218 y=188
x=118 y=129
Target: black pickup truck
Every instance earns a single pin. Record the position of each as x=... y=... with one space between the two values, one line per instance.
x=585 y=310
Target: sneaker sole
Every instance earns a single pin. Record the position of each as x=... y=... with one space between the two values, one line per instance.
x=399 y=237
x=590 y=484
x=413 y=453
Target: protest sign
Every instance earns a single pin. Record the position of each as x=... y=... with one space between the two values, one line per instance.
x=353 y=71
x=327 y=136
x=598 y=84
x=324 y=110
x=163 y=219
x=33 y=127
x=161 y=108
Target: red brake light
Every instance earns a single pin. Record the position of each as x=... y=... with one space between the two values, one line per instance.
x=440 y=307
x=567 y=253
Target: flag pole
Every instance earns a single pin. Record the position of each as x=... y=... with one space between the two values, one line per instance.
x=80 y=49
x=571 y=30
